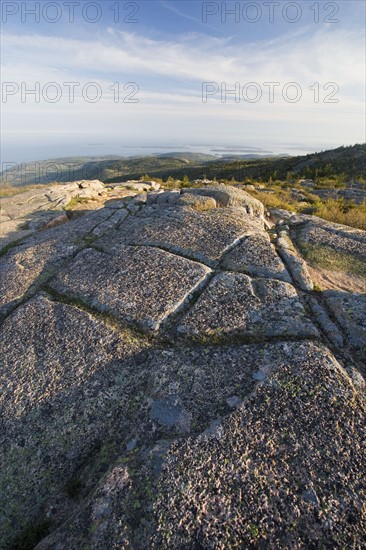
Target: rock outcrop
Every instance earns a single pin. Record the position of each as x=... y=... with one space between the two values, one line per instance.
x=171 y=379
x=230 y=196
x=42 y=208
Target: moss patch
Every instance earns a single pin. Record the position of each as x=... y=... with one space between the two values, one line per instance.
x=9 y=246
x=332 y=260
x=75 y=202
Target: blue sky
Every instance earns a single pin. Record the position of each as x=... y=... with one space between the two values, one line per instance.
x=169 y=51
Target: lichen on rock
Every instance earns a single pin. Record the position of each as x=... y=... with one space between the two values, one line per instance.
x=174 y=376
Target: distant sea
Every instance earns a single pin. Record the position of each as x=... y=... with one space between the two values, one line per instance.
x=19 y=152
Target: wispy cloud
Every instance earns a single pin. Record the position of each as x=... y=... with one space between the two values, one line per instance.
x=332 y=55
x=175 y=10
x=168 y=6
x=180 y=66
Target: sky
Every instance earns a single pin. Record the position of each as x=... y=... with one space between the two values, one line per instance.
x=108 y=77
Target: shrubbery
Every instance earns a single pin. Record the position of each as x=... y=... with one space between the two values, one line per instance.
x=334 y=210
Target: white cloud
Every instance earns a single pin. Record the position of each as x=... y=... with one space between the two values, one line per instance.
x=178 y=68
x=331 y=54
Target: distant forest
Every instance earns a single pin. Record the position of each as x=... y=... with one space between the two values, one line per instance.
x=338 y=165
x=342 y=164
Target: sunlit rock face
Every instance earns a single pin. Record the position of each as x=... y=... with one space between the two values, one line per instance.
x=173 y=376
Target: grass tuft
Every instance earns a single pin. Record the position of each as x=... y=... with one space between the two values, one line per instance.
x=332 y=260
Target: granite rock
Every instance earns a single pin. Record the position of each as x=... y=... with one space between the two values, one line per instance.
x=169 y=379
x=140 y=285
x=203 y=236
x=256 y=256
x=226 y=195
x=236 y=305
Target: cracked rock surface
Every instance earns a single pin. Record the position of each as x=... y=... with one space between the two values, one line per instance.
x=203 y=236
x=139 y=284
x=40 y=208
x=27 y=266
x=256 y=256
x=169 y=379
x=235 y=305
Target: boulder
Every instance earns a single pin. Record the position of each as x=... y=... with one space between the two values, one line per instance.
x=227 y=195
x=278 y=215
x=196 y=202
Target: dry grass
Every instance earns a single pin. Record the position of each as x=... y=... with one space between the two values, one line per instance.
x=280 y=198
x=334 y=210
x=337 y=211
x=8 y=191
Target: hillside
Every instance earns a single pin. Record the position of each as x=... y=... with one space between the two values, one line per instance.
x=102 y=168
x=70 y=169
x=348 y=162
x=181 y=369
